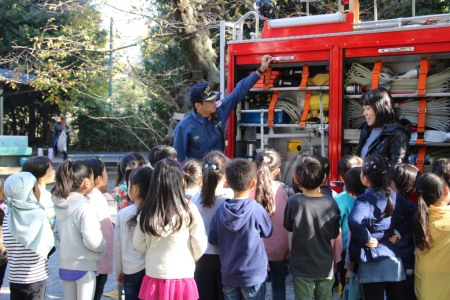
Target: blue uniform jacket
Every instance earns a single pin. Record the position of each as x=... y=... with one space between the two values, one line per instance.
x=195 y=135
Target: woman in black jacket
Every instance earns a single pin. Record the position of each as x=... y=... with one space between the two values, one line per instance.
x=382 y=133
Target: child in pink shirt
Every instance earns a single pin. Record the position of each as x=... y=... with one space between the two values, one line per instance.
x=271 y=194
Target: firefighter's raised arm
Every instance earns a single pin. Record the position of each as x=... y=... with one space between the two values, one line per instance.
x=264 y=64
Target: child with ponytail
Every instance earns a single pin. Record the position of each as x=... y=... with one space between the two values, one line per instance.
x=270 y=193
x=373 y=243
x=213 y=194
x=81 y=240
x=431 y=231
x=192 y=177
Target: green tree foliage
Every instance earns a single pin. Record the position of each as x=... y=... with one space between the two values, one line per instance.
x=58 y=41
x=131 y=121
x=61 y=44
x=163 y=71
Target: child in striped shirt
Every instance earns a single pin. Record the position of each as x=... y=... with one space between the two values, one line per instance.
x=27 y=237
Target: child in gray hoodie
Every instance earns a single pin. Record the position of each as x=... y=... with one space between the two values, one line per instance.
x=81 y=241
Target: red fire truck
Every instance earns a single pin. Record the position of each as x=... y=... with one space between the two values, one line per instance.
x=307 y=102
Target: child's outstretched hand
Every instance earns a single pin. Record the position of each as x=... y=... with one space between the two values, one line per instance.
x=394 y=239
x=347 y=276
x=119 y=278
x=373 y=243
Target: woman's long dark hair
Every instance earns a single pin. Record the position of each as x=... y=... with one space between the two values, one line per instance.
x=267 y=161
x=377 y=170
x=430 y=188
x=213 y=171
x=165 y=202
x=69 y=177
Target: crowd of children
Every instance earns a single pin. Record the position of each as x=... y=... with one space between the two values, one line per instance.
x=219 y=229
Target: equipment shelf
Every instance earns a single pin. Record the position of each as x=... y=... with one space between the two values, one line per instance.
x=309 y=88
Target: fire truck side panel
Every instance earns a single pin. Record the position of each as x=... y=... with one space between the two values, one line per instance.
x=332 y=50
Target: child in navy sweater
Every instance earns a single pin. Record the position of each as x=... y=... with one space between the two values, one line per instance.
x=373 y=242
x=237 y=229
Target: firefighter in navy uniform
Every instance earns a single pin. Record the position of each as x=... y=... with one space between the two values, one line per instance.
x=203 y=129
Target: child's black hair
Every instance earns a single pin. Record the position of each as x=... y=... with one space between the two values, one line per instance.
x=213 y=170
x=140 y=158
x=404 y=177
x=296 y=188
x=430 y=188
x=192 y=171
x=310 y=172
x=69 y=177
x=347 y=162
x=140 y=177
x=325 y=163
x=165 y=202
x=441 y=167
x=240 y=173
x=128 y=162
x=352 y=181
x=378 y=171
x=160 y=152
x=96 y=165
x=37 y=165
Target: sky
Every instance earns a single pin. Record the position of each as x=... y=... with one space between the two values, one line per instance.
x=127 y=27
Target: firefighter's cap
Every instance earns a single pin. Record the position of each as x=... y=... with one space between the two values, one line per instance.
x=202 y=92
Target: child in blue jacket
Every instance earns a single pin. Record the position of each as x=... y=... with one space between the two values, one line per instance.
x=237 y=229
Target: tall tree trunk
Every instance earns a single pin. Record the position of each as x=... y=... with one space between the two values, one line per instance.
x=196 y=44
